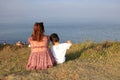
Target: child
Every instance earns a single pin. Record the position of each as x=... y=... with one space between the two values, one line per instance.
x=59 y=49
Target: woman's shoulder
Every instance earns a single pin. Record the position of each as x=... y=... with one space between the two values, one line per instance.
x=30 y=38
x=46 y=35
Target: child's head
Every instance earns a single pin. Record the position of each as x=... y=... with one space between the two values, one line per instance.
x=54 y=38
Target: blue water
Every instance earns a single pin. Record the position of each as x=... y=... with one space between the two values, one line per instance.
x=98 y=32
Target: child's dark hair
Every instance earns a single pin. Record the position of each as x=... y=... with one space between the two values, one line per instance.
x=54 y=37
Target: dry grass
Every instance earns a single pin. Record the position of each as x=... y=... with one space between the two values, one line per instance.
x=85 y=61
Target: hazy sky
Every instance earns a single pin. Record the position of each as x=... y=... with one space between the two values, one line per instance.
x=25 y=11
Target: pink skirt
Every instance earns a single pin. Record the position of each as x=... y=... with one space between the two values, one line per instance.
x=40 y=61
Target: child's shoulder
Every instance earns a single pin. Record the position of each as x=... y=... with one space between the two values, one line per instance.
x=63 y=44
x=60 y=45
x=66 y=43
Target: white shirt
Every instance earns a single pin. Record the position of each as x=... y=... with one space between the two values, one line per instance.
x=59 y=52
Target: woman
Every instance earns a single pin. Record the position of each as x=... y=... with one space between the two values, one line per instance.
x=40 y=57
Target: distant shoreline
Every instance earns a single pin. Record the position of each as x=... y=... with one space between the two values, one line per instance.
x=13 y=42
x=25 y=42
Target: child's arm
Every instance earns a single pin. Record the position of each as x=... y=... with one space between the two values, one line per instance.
x=69 y=42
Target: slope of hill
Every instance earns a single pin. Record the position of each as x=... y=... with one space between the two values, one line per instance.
x=85 y=61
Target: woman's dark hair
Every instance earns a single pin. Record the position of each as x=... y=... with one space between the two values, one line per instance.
x=54 y=37
x=38 y=31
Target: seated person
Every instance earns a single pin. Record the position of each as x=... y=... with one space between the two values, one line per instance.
x=59 y=49
x=19 y=44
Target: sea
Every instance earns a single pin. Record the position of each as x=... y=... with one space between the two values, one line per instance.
x=98 y=32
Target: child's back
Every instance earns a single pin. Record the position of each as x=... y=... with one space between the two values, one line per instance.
x=59 y=52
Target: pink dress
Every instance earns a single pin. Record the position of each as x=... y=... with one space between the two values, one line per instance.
x=40 y=57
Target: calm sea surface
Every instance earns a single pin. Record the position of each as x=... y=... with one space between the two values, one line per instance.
x=11 y=33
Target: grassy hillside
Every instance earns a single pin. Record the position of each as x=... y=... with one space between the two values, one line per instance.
x=85 y=61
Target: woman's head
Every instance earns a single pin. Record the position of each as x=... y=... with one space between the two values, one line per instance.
x=54 y=38
x=38 y=31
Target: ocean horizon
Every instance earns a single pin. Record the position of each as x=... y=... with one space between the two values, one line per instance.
x=11 y=33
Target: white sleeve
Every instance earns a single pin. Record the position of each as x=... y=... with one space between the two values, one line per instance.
x=67 y=46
